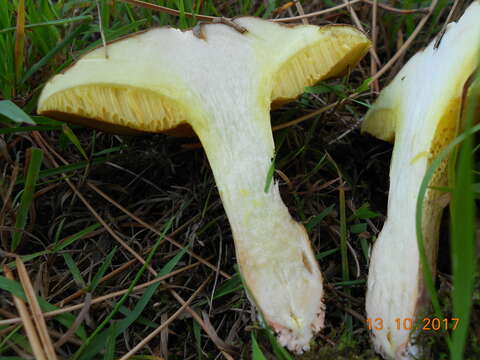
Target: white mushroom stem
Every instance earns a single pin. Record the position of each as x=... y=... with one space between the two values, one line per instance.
x=273 y=251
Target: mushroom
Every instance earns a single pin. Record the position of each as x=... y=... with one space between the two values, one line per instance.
x=221 y=81
x=420 y=112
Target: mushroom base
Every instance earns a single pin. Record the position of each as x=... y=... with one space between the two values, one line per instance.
x=279 y=270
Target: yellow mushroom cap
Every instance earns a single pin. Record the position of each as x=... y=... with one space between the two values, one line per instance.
x=156 y=80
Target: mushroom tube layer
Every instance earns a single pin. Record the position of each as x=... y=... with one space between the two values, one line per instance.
x=222 y=85
x=420 y=111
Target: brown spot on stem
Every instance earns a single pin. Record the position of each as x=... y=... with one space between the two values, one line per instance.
x=389 y=337
x=306 y=263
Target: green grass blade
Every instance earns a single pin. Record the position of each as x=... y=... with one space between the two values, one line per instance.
x=141 y=320
x=343 y=236
x=269 y=179
x=271 y=5
x=35 y=162
x=257 y=354
x=74 y=140
x=66 y=169
x=183 y=19
x=463 y=231
x=4 y=342
x=326 y=253
x=317 y=219
x=57 y=247
x=280 y=352
x=98 y=344
x=71 y=239
x=51 y=22
x=110 y=347
x=229 y=286
x=114 y=34
x=20 y=39
x=409 y=20
x=13 y=287
x=427 y=272
x=198 y=339
x=19 y=340
x=436 y=15
x=14 y=113
x=43 y=61
x=82 y=352
x=103 y=268
x=20 y=129
x=72 y=266
x=66 y=319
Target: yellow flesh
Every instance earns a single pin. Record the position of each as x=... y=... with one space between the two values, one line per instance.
x=223 y=86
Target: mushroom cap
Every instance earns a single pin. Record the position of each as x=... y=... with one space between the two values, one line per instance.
x=432 y=80
x=154 y=80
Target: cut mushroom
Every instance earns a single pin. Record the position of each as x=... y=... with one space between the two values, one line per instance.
x=420 y=111
x=222 y=85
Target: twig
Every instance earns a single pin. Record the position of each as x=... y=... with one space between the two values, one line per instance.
x=50 y=23
x=153 y=229
x=373 y=64
x=19 y=40
x=407 y=43
x=44 y=145
x=299 y=7
x=36 y=311
x=102 y=298
x=78 y=321
x=359 y=25
x=169 y=11
x=80 y=292
x=97 y=216
x=25 y=317
x=102 y=33
x=87 y=204
x=395 y=10
x=213 y=334
x=316 y=13
x=154 y=333
x=282 y=8
x=346 y=132
x=305 y=117
x=130 y=263
x=447 y=21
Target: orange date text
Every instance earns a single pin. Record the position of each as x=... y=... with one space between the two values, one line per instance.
x=426 y=324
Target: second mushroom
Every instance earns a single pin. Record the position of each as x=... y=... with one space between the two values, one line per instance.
x=421 y=112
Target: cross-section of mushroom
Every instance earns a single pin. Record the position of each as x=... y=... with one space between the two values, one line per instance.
x=222 y=84
x=420 y=111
